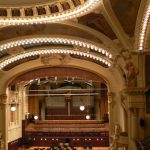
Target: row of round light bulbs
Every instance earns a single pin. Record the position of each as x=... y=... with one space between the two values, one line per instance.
x=144 y=27
x=73 y=139
x=8 y=61
x=56 y=17
x=54 y=40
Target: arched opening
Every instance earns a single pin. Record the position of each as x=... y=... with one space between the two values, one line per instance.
x=59 y=105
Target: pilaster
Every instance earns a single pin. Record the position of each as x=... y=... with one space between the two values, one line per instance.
x=110 y=110
x=3 y=120
x=135 y=99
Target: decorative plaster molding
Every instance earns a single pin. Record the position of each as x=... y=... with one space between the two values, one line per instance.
x=47 y=51
x=134 y=91
x=131 y=75
x=61 y=59
x=46 y=13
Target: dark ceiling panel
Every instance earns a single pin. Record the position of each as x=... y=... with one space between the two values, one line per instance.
x=98 y=22
x=126 y=12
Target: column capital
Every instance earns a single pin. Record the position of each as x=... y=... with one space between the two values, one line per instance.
x=134 y=91
x=133 y=97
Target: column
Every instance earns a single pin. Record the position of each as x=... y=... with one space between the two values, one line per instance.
x=22 y=12
x=3 y=119
x=111 y=123
x=48 y=12
x=9 y=13
x=97 y=107
x=132 y=128
x=71 y=4
x=136 y=103
x=134 y=122
x=97 y=102
x=35 y=13
x=60 y=8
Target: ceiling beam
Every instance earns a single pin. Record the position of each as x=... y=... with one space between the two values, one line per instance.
x=112 y=20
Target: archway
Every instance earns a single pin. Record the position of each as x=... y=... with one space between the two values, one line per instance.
x=91 y=67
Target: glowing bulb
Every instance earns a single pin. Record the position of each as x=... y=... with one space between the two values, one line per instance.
x=13 y=108
x=82 y=107
x=35 y=117
x=88 y=117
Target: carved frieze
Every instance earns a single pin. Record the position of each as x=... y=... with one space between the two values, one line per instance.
x=55 y=58
x=134 y=91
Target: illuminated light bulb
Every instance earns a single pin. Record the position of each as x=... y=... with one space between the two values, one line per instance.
x=52 y=40
x=50 y=51
x=82 y=107
x=144 y=28
x=88 y=117
x=13 y=108
x=35 y=117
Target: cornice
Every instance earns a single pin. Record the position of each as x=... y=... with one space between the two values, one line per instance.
x=134 y=91
x=51 y=12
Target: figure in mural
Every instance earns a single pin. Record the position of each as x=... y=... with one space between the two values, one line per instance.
x=131 y=75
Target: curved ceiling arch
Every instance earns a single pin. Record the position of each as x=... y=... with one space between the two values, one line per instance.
x=47 y=51
x=138 y=24
x=55 y=39
x=66 y=28
x=104 y=73
x=105 y=40
x=9 y=32
x=66 y=73
x=142 y=30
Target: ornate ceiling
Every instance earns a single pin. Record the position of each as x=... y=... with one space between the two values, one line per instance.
x=21 y=2
x=50 y=12
x=100 y=31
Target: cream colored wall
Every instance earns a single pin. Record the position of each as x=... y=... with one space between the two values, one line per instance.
x=15 y=126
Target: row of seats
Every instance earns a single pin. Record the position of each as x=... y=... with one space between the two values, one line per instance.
x=69 y=122
x=68 y=125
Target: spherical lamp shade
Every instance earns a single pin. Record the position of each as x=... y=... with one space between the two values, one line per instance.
x=13 y=108
x=82 y=107
x=88 y=117
x=35 y=117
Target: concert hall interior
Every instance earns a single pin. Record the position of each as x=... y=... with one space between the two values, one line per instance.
x=74 y=74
